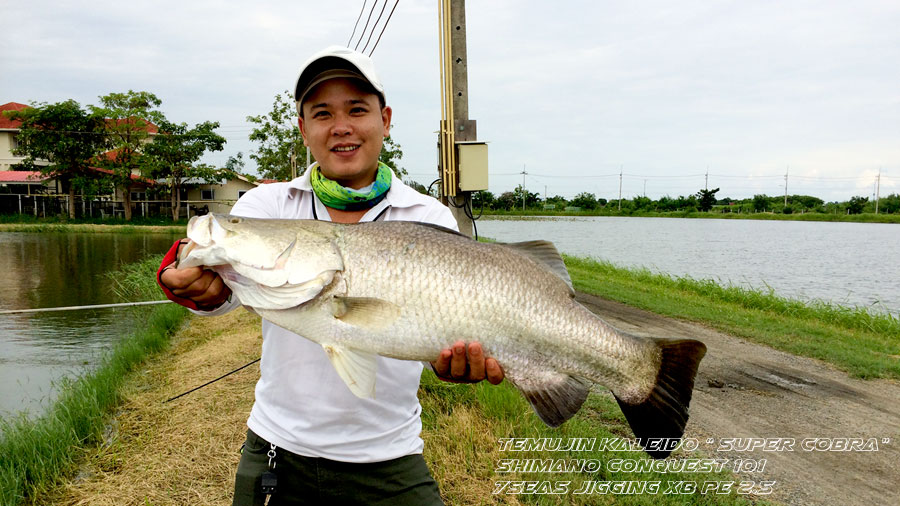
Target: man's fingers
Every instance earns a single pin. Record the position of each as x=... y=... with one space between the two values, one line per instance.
x=442 y=364
x=476 y=362
x=458 y=361
x=494 y=371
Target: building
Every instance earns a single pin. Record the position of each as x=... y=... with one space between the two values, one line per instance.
x=30 y=192
x=9 y=130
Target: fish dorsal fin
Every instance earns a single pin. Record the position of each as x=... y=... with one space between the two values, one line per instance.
x=365 y=312
x=356 y=368
x=546 y=254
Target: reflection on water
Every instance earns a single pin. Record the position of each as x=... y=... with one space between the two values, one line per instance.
x=852 y=264
x=58 y=269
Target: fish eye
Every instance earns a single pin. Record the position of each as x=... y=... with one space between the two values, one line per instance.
x=234 y=220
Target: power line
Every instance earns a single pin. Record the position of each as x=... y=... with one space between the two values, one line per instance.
x=357 y=22
x=383 y=27
x=367 y=24
x=374 y=26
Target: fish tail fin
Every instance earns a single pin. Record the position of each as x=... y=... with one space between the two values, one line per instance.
x=554 y=397
x=658 y=422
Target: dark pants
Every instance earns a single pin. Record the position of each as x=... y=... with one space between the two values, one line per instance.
x=310 y=480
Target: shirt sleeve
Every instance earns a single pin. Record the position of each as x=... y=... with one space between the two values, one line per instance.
x=440 y=214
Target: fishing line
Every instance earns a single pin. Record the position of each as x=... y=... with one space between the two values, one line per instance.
x=212 y=381
x=73 y=308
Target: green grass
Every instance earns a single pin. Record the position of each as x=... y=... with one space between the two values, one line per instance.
x=138 y=221
x=863 y=343
x=465 y=424
x=37 y=453
x=850 y=218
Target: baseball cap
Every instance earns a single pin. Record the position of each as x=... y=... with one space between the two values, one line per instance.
x=331 y=63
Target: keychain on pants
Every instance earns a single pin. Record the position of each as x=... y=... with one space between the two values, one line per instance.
x=268 y=480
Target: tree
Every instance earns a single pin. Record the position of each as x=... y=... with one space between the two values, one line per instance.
x=175 y=151
x=856 y=204
x=278 y=135
x=760 y=202
x=482 y=199
x=506 y=201
x=419 y=187
x=707 y=199
x=889 y=204
x=523 y=196
x=584 y=200
x=558 y=201
x=235 y=163
x=807 y=202
x=642 y=203
x=390 y=155
x=129 y=125
x=68 y=137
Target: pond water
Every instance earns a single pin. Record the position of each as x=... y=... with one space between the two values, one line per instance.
x=852 y=264
x=39 y=270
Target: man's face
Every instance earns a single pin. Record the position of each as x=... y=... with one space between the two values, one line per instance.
x=344 y=127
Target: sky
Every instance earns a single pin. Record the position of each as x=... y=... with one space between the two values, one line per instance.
x=674 y=96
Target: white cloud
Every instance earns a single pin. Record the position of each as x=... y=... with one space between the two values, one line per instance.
x=573 y=88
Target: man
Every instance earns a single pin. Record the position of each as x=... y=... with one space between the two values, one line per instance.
x=322 y=443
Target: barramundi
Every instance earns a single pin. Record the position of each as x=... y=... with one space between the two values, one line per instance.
x=409 y=290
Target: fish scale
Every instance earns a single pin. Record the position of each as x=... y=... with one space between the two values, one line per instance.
x=409 y=290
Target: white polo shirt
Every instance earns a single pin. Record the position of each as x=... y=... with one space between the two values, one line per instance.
x=302 y=405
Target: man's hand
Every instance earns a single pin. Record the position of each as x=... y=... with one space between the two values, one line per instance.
x=459 y=365
x=202 y=286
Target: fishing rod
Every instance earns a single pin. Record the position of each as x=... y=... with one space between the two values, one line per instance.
x=213 y=381
x=74 y=308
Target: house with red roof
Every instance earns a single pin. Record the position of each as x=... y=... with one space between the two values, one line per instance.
x=17 y=186
x=9 y=129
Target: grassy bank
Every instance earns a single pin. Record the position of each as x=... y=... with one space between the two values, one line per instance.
x=35 y=454
x=865 y=344
x=848 y=218
x=139 y=225
x=92 y=228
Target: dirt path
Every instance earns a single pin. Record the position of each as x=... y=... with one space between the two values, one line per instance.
x=751 y=391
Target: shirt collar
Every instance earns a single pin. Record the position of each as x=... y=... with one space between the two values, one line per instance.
x=399 y=195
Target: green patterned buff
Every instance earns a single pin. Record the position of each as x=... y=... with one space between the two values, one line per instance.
x=335 y=196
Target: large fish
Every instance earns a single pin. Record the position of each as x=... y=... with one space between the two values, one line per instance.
x=408 y=290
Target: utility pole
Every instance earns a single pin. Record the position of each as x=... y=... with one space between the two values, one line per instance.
x=523 y=187
x=785 y=184
x=877 y=189
x=706 y=181
x=620 y=188
x=456 y=125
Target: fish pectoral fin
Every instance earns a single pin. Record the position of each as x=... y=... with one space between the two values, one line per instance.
x=555 y=397
x=365 y=312
x=356 y=368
